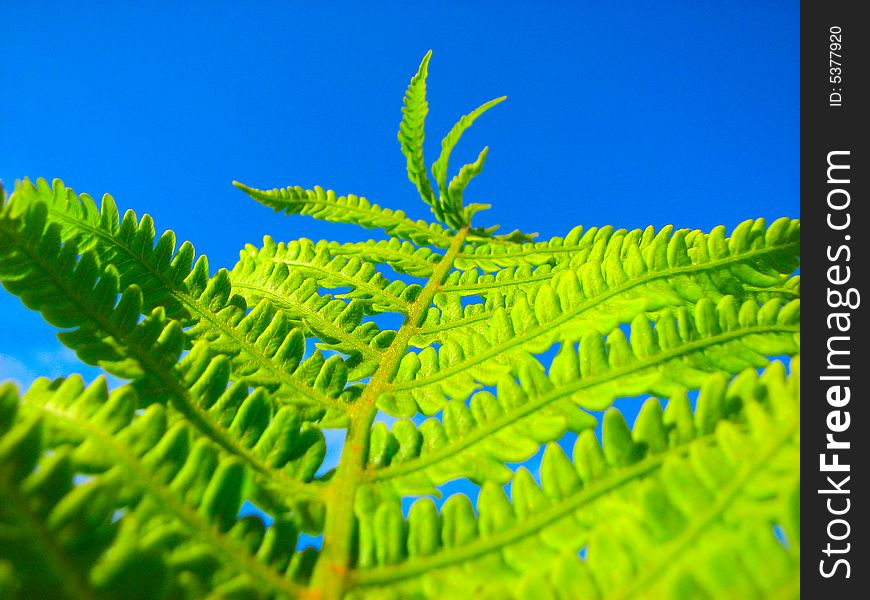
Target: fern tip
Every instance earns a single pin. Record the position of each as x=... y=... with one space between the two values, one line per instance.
x=245 y=188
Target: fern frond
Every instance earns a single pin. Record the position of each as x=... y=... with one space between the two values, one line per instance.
x=634 y=506
x=494 y=254
x=439 y=167
x=262 y=345
x=782 y=238
x=403 y=257
x=276 y=265
x=57 y=539
x=325 y=205
x=460 y=182
x=138 y=491
x=167 y=505
x=425 y=380
x=71 y=293
x=451 y=196
x=447 y=203
x=411 y=135
x=336 y=324
x=500 y=288
x=474 y=440
x=618 y=275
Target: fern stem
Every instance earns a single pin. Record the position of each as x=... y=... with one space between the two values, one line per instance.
x=784 y=291
x=333 y=567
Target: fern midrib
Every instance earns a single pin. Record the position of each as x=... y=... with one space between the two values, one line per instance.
x=435 y=330
x=204 y=313
x=201 y=420
x=524 y=410
x=525 y=252
x=521 y=253
x=567 y=316
x=724 y=499
x=178 y=393
x=147 y=483
x=55 y=559
x=494 y=285
x=334 y=563
x=523 y=528
x=328 y=327
x=386 y=255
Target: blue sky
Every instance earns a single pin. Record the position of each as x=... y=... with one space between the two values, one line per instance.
x=629 y=114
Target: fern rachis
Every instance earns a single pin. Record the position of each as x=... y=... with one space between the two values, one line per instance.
x=137 y=490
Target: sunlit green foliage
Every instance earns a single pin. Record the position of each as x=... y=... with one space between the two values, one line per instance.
x=233 y=376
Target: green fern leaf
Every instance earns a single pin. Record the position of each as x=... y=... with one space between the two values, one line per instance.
x=634 y=505
x=441 y=353
x=284 y=264
x=139 y=466
x=325 y=205
x=403 y=257
x=171 y=280
x=70 y=292
x=474 y=439
x=411 y=135
x=451 y=195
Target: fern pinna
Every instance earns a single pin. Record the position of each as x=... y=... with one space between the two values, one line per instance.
x=233 y=376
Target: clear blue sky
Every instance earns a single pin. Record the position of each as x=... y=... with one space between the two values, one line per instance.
x=630 y=113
